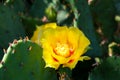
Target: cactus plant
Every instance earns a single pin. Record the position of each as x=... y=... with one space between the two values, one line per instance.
x=10 y=27
x=17 y=5
x=109 y=69
x=23 y=61
x=30 y=24
x=23 y=58
x=82 y=19
x=117 y=6
x=103 y=14
x=38 y=8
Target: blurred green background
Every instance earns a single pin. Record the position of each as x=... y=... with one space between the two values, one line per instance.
x=98 y=19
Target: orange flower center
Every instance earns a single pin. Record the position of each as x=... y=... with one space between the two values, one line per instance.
x=63 y=50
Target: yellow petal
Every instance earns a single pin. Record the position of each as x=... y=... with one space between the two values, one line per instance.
x=61 y=45
x=36 y=36
x=39 y=31
x=80 y=41
x=83 y=43
x=61 y=34
x=71 y=64
x=49 y=59
x=50 y=25
x=73 y=37
x=48 y=37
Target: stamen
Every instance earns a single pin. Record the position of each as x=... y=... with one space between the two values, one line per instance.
x=62 y=50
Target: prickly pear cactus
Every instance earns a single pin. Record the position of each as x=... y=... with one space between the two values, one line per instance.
x=17 y=5
x=38 y=8
x=99 y=20
x=109 y=69
x=103 y=12
x=23 y=61
x=10 y=27
x=85 y=20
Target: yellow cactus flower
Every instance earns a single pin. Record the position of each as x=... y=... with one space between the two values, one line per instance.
x=61 y=45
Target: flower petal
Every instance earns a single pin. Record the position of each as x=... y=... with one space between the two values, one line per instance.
x=73 y=37
x=39 y=31
x=61 y=34
x=71 y=64
x=61 y=45
x=49 y=59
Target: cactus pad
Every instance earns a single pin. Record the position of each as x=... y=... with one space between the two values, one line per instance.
x=23 y=61
x=109 y=69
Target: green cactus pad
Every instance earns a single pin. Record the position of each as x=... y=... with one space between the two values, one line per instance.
x=17 y=5
x=38 y=8
x=103 y=14
x=85 y=23
x=10 y=27
x=109 y=69
x=23 y=61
